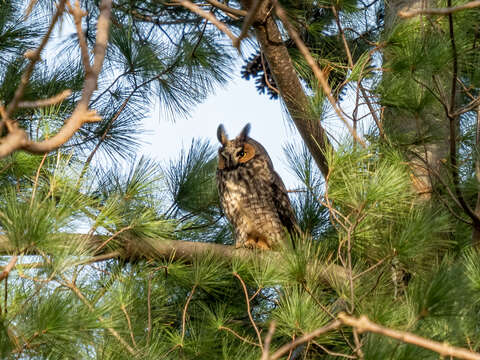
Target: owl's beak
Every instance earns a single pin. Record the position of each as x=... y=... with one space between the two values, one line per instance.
x=227 y=160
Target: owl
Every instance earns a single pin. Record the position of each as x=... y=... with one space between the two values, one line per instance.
x=252 y=194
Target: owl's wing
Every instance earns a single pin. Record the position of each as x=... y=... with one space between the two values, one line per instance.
x=283 y=206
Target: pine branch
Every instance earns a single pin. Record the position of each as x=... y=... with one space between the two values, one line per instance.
x=363 y=324
x=175 y=250
x=439 y=11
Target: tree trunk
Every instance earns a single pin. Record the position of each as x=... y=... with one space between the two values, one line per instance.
x=425 y=137
x=289 y=85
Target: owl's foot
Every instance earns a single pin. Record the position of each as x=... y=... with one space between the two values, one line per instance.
x=257 y=242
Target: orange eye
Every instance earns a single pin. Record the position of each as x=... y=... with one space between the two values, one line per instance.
x=247 y=153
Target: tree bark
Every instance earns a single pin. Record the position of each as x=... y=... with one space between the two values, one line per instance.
x=291 y=90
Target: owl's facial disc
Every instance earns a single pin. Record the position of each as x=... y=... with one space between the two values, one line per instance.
x=232 y=154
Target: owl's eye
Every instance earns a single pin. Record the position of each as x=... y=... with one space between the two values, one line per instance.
x=241 y=153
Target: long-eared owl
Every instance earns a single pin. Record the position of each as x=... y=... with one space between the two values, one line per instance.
x=252 y=194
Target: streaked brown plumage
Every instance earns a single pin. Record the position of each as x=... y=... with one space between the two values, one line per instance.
x=252 y=194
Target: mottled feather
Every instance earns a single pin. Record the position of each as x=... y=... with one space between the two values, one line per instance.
x=252 y=194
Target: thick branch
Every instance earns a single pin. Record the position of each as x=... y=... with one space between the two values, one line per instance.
x=176 y=250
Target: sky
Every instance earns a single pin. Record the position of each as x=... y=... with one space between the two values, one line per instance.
x=234 y=105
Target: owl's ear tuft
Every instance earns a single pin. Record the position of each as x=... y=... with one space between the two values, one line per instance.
x=222 y=135
x=244 y=133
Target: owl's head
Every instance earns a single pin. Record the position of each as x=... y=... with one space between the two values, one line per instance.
x=238 y=151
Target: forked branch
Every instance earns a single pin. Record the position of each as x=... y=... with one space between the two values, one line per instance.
x=17 y=138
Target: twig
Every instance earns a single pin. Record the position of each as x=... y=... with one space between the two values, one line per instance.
x=17 y=137
x=363 y=324
x=45 y=102
x=265 y=76
x=248 y=309
x=453 y=126
x=184 y=314
x=100 y=318
x=129 y=323
x=209 y=16
x=316 y=70
x=8 y=267
x=111 y=238
x=247 y=22
x=268 y=340
x=305 y=338
x=256 y=293
x=439 y=11
x=37 y=175
x=369 y=269
x=34 y=57
x=78 y=14
x=149 y=309
x=333 y=353
x=226 y=8
x=238 y=335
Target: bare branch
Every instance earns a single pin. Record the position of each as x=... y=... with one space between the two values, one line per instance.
x=209 y=16
x=9 y=267
x=439 y=11
x=238 y=336
x=46 y=102
x=305 y=338
x=17 y=138
x=316 y=70
x=268 y=340
x=248 y=309
x=34 y=57
x=363 y=324
x=78 y=14
x=129 y=323
x=226 y=8
x=184 y=313
x=247 y=22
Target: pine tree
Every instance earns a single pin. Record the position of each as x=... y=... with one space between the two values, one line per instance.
x=112 y=262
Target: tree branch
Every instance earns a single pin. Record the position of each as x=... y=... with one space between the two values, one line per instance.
x=316 y=70
x=17 y=138
x=227 y=9
x=292 y=92
x=175 y=250
x=363 y=324
x=439 y=11
x=209 y=16
x=335 y=324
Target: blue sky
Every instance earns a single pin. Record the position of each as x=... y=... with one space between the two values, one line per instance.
x=234 y=106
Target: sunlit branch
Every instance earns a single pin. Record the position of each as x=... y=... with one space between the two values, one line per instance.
x=363 y=324
x=46 y=102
